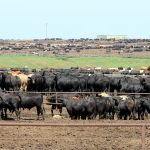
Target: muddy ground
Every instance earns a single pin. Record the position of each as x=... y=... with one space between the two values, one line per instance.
x=70 y=138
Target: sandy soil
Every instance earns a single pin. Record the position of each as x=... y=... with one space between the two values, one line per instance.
x=62 y=138
x=70 y=138
x=84 y=52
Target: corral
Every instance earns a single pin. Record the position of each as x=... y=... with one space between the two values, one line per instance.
x=58 y=133
x=90 y=134
x=62 y=132
x=94 y=134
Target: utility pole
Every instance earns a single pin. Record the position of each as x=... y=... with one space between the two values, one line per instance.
x=46 y=30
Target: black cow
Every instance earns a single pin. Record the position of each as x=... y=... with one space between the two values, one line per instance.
x=50 y=82
x=146 y=83
x=126 y=108
x=132 y=85
x=75 y=108
x=143 y=107
x=139 y=107
x=83 y=79
x=98 y=83
x=80 y=108
x=1 y=80
x=67 y=83
x=91 y=82
x=32 y=100
x=106 y=107
x=115 y=84
x=36 y=83
x=52 y=99
x=10 y=82
x=90 y=107
x=11 y=102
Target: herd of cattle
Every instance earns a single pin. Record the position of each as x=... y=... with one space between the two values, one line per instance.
x=71 y=80
x=106 y=106
x=78 y=106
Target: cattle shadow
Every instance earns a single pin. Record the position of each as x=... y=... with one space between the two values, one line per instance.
x=8 y=119
x=27 y=119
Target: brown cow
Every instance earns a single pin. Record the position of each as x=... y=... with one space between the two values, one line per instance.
x=23 y=78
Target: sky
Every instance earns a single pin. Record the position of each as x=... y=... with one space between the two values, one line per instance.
x=27 y=19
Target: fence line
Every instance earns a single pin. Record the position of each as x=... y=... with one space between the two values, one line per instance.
x=118 y=93
x=57 y=93
x=76 y=124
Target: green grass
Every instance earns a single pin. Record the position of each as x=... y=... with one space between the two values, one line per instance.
x=66 y=62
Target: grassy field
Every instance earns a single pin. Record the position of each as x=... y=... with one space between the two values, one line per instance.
x=66 y=62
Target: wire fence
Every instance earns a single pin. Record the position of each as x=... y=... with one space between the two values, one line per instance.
x=111 y=93
x=60 y=93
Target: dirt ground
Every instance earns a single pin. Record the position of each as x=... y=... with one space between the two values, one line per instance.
x=84 y=52
x=70 y=138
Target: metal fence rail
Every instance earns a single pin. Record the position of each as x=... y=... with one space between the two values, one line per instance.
x=85 y=124
x=118 y=93
x=57 y=93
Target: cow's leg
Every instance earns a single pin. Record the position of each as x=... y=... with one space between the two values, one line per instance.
x=134 y=115
x=120 y=115
x=21 y=89
x=99 y=115
x=105 y=115
x=2 y=114
x=139 y=115
x=146 y=114
x=76 y=117
x=60 y=109
x=25 y=88
x=142 y=115
x=52 y=112
x=5 y=112
x=113 y=115
x=38 y=112
x=50 y=89
x=17 y=114
x=83 y=117
x=130 y=116
x=73 y=117
x=125 y=117
x=92 y=116
x=52 y=108
x=41 y=111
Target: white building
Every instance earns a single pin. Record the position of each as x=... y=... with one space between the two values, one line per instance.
x=115 y=37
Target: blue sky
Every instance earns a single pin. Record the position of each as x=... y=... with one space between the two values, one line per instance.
x=26 y=19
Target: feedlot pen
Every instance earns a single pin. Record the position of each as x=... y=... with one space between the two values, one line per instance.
x=74 y=135
x=64 y=134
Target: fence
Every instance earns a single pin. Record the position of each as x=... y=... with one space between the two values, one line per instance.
x=79 y=124
x=57 y=93
x=111 y=93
